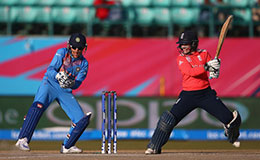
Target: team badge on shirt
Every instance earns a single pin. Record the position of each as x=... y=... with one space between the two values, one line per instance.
x=199 y=57
x=77 y=69
x=188 y=59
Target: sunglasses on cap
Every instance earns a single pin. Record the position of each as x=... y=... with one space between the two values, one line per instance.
x=79 y=48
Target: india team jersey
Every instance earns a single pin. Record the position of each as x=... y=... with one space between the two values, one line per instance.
x=194 y=76
x=63 y=61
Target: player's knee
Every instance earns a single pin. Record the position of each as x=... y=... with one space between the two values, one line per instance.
x=36 y=109
x=83 y=122
x=38 y=105
x=167 y=121
x=78 y=117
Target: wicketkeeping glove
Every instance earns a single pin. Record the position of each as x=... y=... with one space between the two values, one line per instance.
x=61 y=77
x=64 y=80
x=212 y=65
x=68 y=83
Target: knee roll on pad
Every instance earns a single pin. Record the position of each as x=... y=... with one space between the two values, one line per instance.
x=232 y=129
x=78 y=129
x=32 y=118
x=163 y=131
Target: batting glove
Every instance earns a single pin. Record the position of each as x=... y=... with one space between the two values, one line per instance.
x=214 y=74
x=212 y=65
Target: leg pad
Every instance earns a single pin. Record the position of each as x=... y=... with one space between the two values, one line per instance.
x=31 y=120
x=163 y=131
x=77 y=131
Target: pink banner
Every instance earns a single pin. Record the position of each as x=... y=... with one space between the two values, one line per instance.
x=141 y=67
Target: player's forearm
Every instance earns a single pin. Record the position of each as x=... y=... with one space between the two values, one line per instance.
x=51 y=72
x=55 y=65
x=80 y=78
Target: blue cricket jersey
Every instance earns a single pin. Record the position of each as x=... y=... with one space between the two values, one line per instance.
x=50 y=90
x=76 y=68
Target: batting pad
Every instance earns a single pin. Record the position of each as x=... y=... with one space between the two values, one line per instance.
x=233 y=127
x=163 y=131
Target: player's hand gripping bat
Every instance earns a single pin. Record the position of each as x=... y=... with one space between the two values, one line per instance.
x=222 y=35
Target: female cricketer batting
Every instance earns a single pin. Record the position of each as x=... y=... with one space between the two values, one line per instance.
x=66 y=72
x=194 y=64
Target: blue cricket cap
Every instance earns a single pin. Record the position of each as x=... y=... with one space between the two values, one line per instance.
x=78 y=40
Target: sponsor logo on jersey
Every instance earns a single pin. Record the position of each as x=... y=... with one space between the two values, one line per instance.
x=194 y=66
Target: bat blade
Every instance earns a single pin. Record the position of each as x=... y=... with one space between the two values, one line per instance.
x=223 y=34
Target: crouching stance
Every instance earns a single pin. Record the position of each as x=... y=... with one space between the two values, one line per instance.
x=66 y=72
x=194 y=64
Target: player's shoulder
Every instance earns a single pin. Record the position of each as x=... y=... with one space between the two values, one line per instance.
x=181 y=56
x=202 y=51
x=181 y=59
x=84 y=61
x=61 y=52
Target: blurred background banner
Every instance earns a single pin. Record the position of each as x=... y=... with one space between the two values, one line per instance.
x=137 y=118
x=132 y=67
x=133 y=112
x=177 y=134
